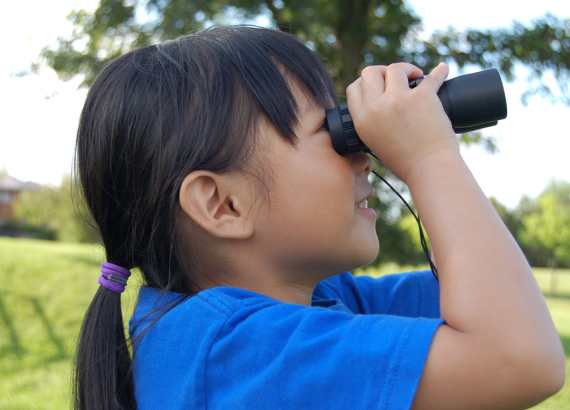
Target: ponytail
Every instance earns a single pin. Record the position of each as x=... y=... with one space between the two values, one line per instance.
x=103 y=378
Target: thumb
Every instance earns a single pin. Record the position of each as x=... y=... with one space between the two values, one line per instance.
x=438 y=75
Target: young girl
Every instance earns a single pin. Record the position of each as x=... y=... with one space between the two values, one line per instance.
x=204 y=163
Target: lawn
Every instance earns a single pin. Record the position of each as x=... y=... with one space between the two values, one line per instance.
x=45 y=288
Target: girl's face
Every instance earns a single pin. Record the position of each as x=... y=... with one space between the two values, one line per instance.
x=312 y=228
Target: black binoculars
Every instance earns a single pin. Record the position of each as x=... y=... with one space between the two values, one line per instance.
x=471 y=101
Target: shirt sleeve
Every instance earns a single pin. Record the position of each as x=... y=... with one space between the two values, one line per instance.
x=286 y=356
x=411 y=294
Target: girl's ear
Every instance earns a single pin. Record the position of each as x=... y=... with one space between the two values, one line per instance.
x=220 y=204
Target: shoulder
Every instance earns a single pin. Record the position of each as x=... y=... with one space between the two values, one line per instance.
x=407 y=293
x=341 y=281
x=173 y=335
x=279 y=355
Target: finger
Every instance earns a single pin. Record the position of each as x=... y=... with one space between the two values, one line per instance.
x=436 y=77
x=354 y=95
x=372 y=81
x=398 y=76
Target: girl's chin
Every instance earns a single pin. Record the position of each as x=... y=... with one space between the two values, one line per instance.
x=368 y=250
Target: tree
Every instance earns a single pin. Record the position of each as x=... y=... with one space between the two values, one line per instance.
x=347 y=34
x=549 y=226
x=55 y=208
x=510 y=218
x=410 y=249
x=536 y=253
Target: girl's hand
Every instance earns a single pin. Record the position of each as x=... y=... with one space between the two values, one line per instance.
x=402 y=126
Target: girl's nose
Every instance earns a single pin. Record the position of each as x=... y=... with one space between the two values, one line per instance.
x=361 y=161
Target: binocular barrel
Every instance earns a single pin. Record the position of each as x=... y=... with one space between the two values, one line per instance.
x=471 y=101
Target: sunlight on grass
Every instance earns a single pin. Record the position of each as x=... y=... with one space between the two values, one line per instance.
x=45 y=288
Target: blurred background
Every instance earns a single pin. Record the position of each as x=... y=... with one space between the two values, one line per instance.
x=49 y=254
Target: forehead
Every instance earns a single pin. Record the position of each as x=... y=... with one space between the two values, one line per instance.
x=307 y=106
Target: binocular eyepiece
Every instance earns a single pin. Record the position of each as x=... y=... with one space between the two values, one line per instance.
x=471 y=101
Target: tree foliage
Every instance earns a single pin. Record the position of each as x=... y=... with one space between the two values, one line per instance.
x=55 y=208
x=511 y=219
x=549 y=225
x=347 y=34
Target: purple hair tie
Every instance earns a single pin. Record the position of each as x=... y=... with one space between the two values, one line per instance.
x=113 y=277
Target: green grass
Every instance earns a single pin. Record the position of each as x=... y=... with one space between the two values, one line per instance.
x=45 y=288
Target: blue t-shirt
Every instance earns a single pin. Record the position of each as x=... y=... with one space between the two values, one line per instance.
x=362 y=344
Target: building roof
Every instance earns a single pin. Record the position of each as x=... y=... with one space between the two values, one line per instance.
x=8 y=183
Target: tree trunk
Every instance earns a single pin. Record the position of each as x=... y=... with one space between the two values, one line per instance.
x=553 y=277
x=351 y=32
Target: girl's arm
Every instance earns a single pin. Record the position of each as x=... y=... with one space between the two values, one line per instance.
x=499 y=348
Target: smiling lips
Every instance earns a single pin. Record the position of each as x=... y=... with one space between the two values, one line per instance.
x=367 y=195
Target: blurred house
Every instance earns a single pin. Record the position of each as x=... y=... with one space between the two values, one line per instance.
x=10 y=189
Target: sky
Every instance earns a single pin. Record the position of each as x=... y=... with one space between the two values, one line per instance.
x=40 y=112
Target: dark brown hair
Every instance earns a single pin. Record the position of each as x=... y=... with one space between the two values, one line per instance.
x=151 y=117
